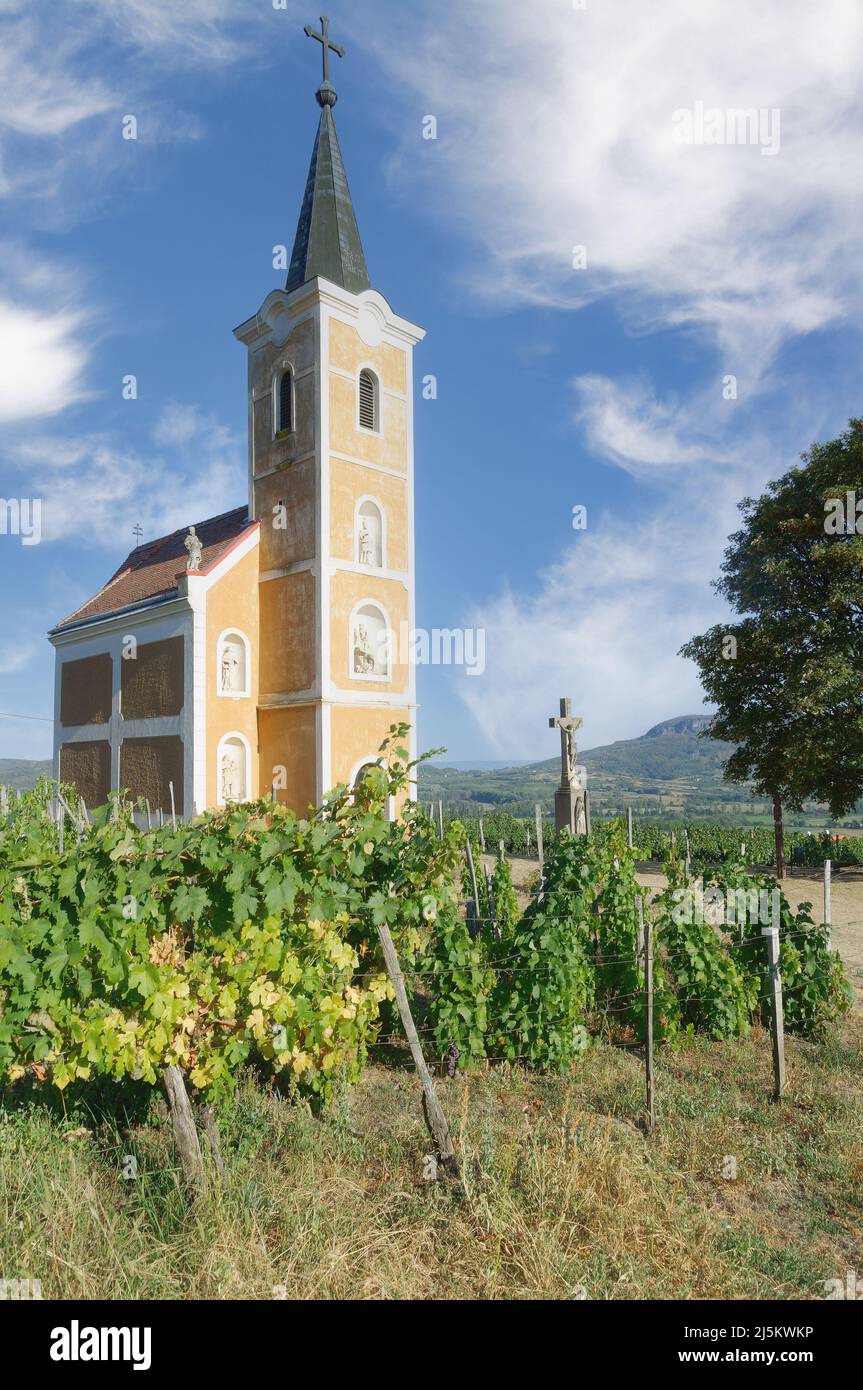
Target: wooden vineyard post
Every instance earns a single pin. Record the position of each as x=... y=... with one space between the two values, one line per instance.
x=481 y=836
x=149 y=817
x=539 y=836
x=502 y=848
x=688 y=863
x=587 y=812
x=777 y=1018
x=640 y=938
x=440 y=817
x=629 y=826
x=492 y=908
x=648 y=1051
x=173 y=805
x=61 y=824
x=828 y=897
x=434 y=1116
x=527 y=839
x=472 y=871
x=185 y=1132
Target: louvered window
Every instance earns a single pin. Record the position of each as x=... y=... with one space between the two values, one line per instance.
x=369 y=403
x=286 y=402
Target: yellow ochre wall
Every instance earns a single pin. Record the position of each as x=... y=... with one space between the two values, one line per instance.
x=349 y=482
x=232 y=602
x=357 y=732
x=287 y=739
x=288 y=625
x=346 y=590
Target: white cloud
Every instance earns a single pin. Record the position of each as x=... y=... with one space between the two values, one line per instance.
x=205 y=31
x=624 y=422
x=41 y=91
x=95 y=490
x=555 y=130
x=604 y=628
x=42 y=358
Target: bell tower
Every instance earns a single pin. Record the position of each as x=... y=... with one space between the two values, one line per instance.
x=330 y=398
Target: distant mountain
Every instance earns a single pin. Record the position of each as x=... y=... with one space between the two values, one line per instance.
x=669 y=773
x=19 y=772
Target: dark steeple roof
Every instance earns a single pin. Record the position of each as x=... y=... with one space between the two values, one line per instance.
x=328 y=238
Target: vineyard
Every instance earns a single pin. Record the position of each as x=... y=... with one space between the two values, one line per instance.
x=710 y=844
x=244 y=949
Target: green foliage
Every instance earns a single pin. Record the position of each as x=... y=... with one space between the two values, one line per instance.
x=248 y=934
x=505 y=899
x=815 y=989
x=790 y=694
x=460 y=982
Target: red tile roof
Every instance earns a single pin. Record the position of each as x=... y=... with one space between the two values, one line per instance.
x=150 y=572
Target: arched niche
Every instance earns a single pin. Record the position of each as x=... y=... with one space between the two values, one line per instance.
x=370 y=643
x=233 y=769
x=233 y=664
x=370 y=534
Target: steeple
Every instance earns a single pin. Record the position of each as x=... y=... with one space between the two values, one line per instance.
x=328 y=238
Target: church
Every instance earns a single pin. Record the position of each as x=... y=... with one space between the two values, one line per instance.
x=250 y=653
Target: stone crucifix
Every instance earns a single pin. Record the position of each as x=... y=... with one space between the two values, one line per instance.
x=570 y=809
x=569 y=726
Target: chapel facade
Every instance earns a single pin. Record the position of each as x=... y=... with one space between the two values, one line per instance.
x=252 y=653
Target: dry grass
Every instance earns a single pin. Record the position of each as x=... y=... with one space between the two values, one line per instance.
x=563 y=1191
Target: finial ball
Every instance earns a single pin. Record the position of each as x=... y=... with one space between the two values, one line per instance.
x=326 y=95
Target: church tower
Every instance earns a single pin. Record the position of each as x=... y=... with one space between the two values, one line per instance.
x=330 y=393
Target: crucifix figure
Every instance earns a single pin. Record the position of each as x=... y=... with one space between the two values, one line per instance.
x=568 y=726
x=327 y=92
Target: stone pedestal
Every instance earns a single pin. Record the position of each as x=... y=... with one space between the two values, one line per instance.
x=570 y=812
x=566 y=809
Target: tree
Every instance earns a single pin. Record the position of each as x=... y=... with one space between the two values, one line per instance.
x=788 y=678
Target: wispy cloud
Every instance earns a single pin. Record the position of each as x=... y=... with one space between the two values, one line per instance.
x=555 y=130
x=94 y=489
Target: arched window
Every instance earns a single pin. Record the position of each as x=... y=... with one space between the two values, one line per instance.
x=370 y=405
x=370 y=655
x=285 y=402
x=233 y=664
x=362 y=771
x=370 y=534
x=233 y=766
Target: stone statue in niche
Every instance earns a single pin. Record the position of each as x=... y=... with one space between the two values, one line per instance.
x=367 y=545
x=231 y=668
x=231 y=788
x=364 y=661
x=194 y=550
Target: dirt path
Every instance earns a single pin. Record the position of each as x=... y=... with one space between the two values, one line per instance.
x=847 y=913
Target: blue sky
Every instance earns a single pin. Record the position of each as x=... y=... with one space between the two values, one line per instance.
x=558 y=386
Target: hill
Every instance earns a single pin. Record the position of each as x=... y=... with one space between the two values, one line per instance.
x=669 y=773
x=22 y=773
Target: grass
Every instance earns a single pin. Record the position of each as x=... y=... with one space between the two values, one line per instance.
x=563 y=1191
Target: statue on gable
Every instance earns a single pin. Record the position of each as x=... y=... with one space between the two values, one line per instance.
x=194 y=550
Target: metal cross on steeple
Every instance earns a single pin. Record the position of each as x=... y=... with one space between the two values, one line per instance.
x=324 y=38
